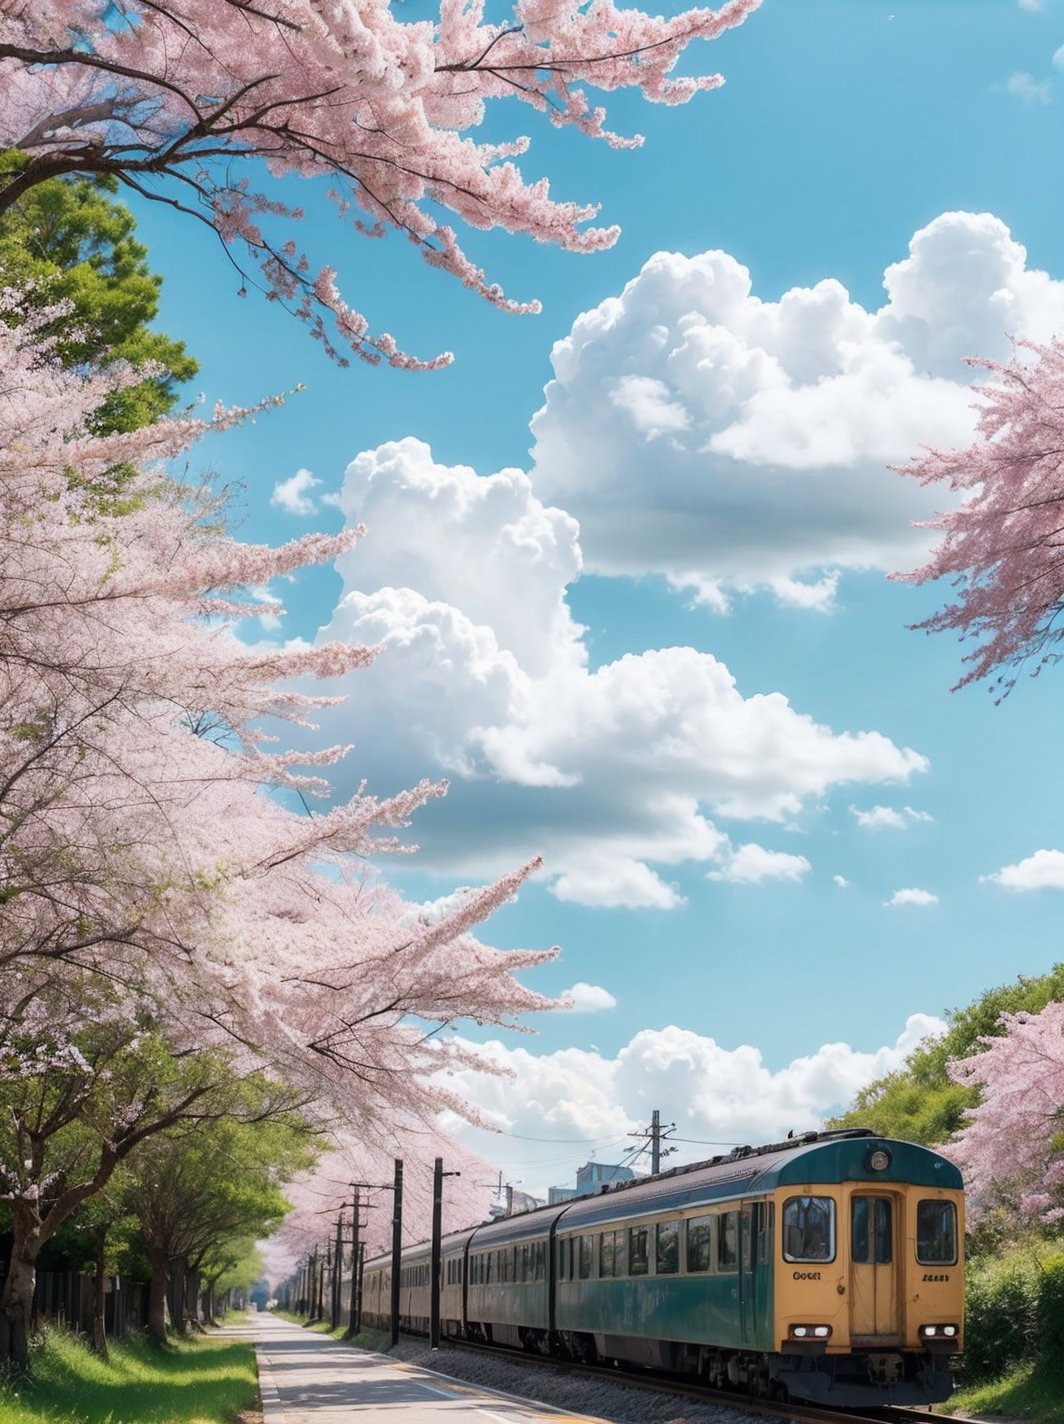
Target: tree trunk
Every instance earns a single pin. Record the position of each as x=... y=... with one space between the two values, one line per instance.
x=16 y=1299
x=99 y=1298
x=158 y=1308
x=16 y=1310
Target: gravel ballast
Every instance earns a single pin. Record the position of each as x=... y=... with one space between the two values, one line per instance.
x=551 y=1384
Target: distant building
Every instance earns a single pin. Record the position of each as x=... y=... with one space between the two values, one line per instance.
x=515 y=1201
x=589 y=1178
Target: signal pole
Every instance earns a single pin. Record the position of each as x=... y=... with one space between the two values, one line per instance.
x=397 y=1245
x=338 y=1274
x=438 y=1175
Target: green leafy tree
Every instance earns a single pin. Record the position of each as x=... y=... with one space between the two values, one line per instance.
x=68 y=240
x=204 y=1191
x=919 y=1102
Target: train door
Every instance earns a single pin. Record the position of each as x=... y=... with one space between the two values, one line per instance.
x=874 y=1301
x=755 y=1267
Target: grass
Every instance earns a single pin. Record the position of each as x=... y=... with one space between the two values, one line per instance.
x=199 y=1381
x=1030 y=1391
x=366 y=1339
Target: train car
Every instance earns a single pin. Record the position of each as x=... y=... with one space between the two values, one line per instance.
x=825 y=1268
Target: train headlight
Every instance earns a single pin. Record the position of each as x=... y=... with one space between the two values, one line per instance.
x=810 y=1332
x=934 y=1332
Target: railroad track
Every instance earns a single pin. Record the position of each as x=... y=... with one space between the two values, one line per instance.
x=684 y=1389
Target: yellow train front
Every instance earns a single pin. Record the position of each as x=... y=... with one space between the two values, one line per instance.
x=825 y=1268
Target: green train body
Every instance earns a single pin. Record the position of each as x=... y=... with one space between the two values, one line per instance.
x=827 y=1268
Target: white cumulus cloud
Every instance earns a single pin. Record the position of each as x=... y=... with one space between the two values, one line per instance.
x=750 y=864
x=294 y=494
x=1027 y=88
x=1044 y=870
x=699 y=431
x=588 y=999
x=912 y=896
x=568 y=1105
x=888 y=818
x=615 y=774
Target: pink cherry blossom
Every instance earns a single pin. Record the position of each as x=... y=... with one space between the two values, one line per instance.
x=1002 y=547
x=177 y=98
x=1010 y=1146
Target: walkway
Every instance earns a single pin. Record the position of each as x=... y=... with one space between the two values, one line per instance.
x=306 y=1378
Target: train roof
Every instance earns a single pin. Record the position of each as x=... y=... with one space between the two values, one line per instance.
x=854 y=1154
x=809 y=1159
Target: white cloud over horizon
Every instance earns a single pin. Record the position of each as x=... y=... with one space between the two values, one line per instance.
x=572 y=1103
x=729 y=442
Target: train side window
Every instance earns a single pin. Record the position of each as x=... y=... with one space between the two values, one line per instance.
x=763 y=1221
x=667 y=1248
x=936 y=1233
x=607 y=1253
x=586 y=1243
x=809 y=1229
x=699 y=1243
x=728 y=1241
x=637 y=1251
x=540 y=1264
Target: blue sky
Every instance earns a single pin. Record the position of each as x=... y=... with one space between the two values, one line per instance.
x=678 y=727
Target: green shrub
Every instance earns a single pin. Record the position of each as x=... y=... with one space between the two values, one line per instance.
x=1050 y=1337
x=1002 y=1315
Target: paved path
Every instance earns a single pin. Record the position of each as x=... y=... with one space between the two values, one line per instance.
x=306 y=1378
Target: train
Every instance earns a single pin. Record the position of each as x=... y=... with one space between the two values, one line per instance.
x=827 y=1268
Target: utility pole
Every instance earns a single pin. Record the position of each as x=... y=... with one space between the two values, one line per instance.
x=438 y=1175
x=338 y=1273
x=655 y=1135
x=353 y=1321
x=320 y=1312
x=397 y=1245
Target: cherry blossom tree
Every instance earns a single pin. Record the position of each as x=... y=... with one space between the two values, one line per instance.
x=1004 y=546
x=1011 y=1146
x=321 y=1194
x=152 y=841
x=176 y=98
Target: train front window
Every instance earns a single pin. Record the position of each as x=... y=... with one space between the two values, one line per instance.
x=936 y=1233
x=809 y=1229
x=872 y=1231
